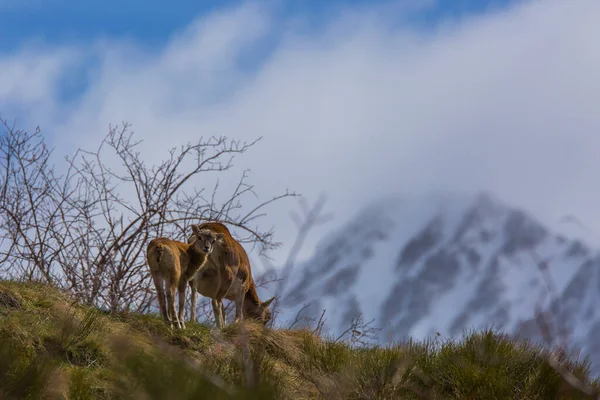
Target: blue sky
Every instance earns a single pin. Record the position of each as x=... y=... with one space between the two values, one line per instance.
x=358 y=99
x=152 y=22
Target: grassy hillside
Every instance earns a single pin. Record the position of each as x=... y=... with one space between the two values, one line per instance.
x=52 y=348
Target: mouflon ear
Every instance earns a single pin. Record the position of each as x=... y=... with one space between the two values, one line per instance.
x=196 y=230
x=221 y=237
x=268 y=302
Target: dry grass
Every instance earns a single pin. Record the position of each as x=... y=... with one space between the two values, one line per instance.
x=52 y=348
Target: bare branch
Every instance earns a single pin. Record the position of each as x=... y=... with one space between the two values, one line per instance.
x=86 y=231
x=312 y=217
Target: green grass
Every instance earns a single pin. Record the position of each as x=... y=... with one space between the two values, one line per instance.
x=52 y=348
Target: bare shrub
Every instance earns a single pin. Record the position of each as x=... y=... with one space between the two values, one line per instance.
x=85 y=229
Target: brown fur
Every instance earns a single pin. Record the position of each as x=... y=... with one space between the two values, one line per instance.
x=228 y=275
x=173 y=264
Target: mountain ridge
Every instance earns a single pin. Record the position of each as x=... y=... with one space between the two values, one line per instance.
x=441 y=263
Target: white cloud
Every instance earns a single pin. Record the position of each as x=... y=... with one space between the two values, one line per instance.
x=29 y=79
x=506 y=101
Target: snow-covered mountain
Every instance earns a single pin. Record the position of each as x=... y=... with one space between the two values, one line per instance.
x=445 y=263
